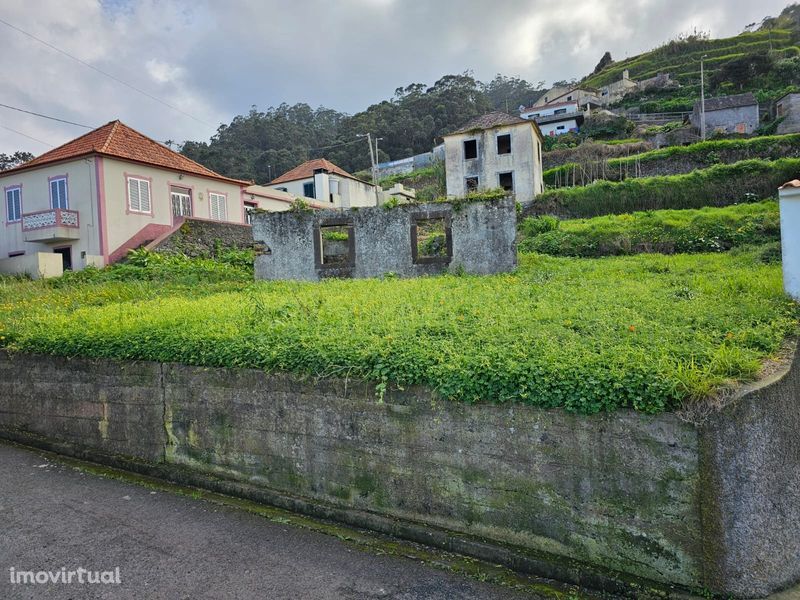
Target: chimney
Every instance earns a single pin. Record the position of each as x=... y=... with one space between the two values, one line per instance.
x=626 y=74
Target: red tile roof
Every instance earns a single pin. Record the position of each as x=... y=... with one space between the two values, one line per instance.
x=306 y=171
x=117 y=140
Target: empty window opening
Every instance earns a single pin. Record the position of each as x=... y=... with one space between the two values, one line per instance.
x=336 y=246
x=431 y=239
x=506 y=181
x=472 y=184
x=504 y=144
x=470 y=149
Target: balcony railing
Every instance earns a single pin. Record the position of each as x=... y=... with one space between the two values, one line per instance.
x=56 y=224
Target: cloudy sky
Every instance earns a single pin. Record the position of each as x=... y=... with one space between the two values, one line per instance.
x=213 y=59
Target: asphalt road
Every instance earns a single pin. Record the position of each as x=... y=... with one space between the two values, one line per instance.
x=53 y=515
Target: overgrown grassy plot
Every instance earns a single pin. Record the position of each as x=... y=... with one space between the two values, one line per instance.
x=647 y=332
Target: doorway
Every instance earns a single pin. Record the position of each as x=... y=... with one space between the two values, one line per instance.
x=66 y=257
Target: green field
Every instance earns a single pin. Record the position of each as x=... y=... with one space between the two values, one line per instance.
x=647 y=332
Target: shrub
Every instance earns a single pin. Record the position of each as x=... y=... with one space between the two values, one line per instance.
x=719 y=185
x=665 y=231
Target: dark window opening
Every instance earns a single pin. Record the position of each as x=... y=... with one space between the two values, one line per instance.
x=19 y=253
x=470 y=149
x=308 y=190
x=66 y=257
x=504 y=144
x=560 y=126
x=506 y=181
x=472 y=184
x=569 y=97
x=334 y=245
x=560 y=111
x=431 y=239
x=248 y=212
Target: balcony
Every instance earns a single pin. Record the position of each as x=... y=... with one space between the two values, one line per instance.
x=54 y=225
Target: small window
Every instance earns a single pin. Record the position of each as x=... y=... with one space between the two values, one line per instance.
x=58 y=193
x=17 y=253
x=470 y=149
x=504 y=144
x=569 y=97
x=308 y=190
x=431 y=240
x=560 y=126
x=181 y=202
x=13 y=205
x=218 y=206
x=282 y=189
x=560 y=111
x=139 y=195
x=506 y=181
x=472 y=184
x=249 y=207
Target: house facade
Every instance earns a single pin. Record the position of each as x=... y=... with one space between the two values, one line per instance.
x=113 y=189
x=788 y=109
x=496 y=150
x=323 y=182
x=728 y=114
x=582 y=96
x=555 y=119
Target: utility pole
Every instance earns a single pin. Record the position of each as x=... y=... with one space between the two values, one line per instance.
x=702 y=99
x=374 y=166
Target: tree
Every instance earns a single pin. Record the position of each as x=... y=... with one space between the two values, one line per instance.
x=9 y=161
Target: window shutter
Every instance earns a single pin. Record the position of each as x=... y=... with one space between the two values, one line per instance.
x=133 y=195
x=144 y=195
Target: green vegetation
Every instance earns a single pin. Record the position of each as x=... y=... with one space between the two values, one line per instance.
x=719 y=185
x=693 y=156
x=429 y=182
x=647 y=332
x=666 y=231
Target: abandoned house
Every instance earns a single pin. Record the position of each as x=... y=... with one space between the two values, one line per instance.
x=788 y=109
x=555 y=119
x=728 y=114
x=496 y=150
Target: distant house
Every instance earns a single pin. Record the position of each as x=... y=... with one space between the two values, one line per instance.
x=328 y=184
x=91 y=200
x=555 y=119
x=583 y=96
x=495 y=150
x=788 y=108
x=616 y=90
x=728 y=114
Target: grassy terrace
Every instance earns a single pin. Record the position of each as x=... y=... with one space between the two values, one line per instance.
x=648 y=332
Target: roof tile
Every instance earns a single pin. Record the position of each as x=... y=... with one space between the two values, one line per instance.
x=306 y=170
x=117 y=140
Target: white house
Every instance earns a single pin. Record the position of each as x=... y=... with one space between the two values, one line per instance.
x=496 y=150
x=329 y=185
x=90 y=200
x=555 y=119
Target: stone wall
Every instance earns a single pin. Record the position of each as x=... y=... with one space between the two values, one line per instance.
x=482 y=240
x=618 y=501
x=198 y=237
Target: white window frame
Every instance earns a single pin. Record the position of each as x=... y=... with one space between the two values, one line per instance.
x=137 y=206
x=57 y=202
x=184 y=198
x=218 y=206
x=16 y=217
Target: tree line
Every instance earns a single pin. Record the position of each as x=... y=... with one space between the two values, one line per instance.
x=263 y=144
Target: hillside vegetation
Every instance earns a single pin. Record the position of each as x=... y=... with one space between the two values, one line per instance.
x=672 y=160
x=719 y=185
x=664 y=231
x=647 y=332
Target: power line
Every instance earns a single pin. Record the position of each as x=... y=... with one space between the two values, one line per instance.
x=30 y=137
x=109 y=75
x=335 y=145
x=30 y=112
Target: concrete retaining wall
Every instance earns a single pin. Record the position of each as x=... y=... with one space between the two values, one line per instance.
x=620 y=501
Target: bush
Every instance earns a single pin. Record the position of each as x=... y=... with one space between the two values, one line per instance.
x=665 y=231
x=719 y=185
